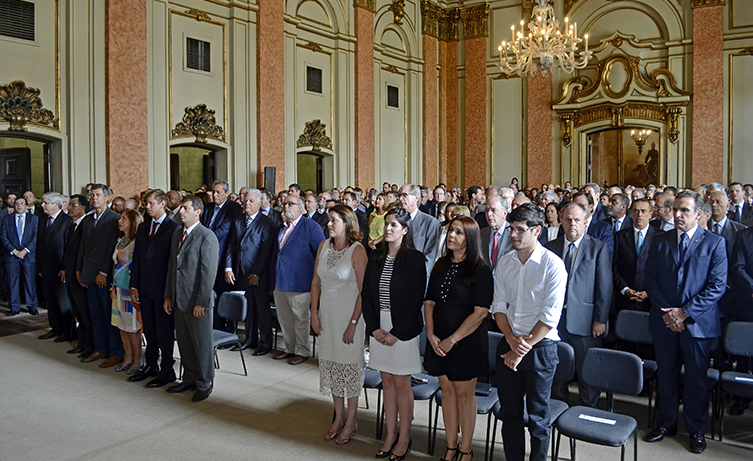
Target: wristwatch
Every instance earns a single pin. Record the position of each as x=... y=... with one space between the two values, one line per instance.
x=354 y=322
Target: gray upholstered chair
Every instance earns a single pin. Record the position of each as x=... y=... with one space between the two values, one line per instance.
x=232 y=306
x=632 y=327
x=738 y=341
x=614 y=372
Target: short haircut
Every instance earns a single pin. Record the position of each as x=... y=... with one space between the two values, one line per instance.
x=527 y=213
x=353 y=195
x=595 y=187
x=158 y=195
x=573 y=204
x=103 y=187
x=256 y=192
x=223 y=183
x=735 y=183
x=473 y=190
x=704 y=206
x=55 y=198
x=624 y=199
x=196 y=202
x=82 y=200
x=697 y=199
x=715 y=186
x=413 y=190
x=642 y=200
x=582 y=193
x=295 y=187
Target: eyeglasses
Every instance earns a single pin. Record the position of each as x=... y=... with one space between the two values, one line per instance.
x=291 y=203
x=520 y=230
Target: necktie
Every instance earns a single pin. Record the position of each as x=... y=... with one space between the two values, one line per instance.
x=495 y=248
x=569 y=257
x=214 y=216
x=248 y=222
x=20 y=228
x=738 y=213
x=616 y=225
x=154 y=230
x=639 y=242
x=183 y=240
x=49 y=223
x=717 y=228
x=683 y=246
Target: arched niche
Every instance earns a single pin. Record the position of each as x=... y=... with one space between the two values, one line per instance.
x=323 y=14
x=192 y=163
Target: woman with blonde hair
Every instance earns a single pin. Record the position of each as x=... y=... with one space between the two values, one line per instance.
x=376 y=220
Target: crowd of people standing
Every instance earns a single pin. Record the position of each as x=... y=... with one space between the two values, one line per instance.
x=384 y=267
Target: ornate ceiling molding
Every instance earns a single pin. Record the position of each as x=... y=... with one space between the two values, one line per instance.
x=475 y=21
x=21 y=104
x=366 y=5
x=398 y=10
x=702 y=3
x=198 y=14
x=315 y=136
x=439 y=22
x=199 y=121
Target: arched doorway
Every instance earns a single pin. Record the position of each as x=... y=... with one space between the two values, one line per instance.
x=310 y=168
x=26 y=163
x=195 y=165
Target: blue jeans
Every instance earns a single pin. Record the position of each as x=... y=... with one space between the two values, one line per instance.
x=106 y=337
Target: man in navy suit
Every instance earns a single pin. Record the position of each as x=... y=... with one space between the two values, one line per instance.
x=739 y=209
x=598 y=212
x=686 y=275
x=50 y=245
x=267 y=210
x=247 y=267
x=312 y=207
x=631 y=246
x=619 y=218
x=594 y=227
x=151 y=255
x=218 y=217
x=18 y=234
x=77 y=209
x=296 y=246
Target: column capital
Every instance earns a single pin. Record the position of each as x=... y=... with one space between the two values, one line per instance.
x=369 y=5
x=439 y=22
x=702 y=3
x=475 y=21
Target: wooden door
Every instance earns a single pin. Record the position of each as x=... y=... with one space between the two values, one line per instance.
x=15 y=170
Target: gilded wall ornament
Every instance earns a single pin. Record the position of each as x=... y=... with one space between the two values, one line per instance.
x=431 y=15
x=315 y=47
x=366 y=4
x=673 y=116
x=398 y=10
x=21 y=104
x=392 y=69
x=475 y=21
x=315 y=136
x=448 y=26
x=198 y=14
x=199 y=121
x=566 y=123
x=702 y=3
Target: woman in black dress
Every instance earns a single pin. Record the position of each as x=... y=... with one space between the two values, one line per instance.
x=460 y=292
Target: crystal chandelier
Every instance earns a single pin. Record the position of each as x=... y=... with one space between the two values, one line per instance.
x=640 y=139
x=544 y=47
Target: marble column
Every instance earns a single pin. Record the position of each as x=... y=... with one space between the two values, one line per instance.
x=707 y=147
x=430 y=113
x=270 y=68
x=364 y=93
x=126 y=97
x=539 y=163
x=476 y=145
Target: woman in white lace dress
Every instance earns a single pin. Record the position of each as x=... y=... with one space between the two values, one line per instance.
x=336 y=318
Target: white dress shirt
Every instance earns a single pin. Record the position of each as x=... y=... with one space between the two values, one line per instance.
x=532 y=292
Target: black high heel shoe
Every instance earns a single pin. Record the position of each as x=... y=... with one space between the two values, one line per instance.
x=394 y=457
x=461 y=454
x=384 y=454
x=446 y=449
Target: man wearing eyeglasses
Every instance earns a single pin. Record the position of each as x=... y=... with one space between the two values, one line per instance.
x=295 y=254
x=588 y=297
x=664 y=220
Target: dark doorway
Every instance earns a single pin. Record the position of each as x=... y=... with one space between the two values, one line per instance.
x=310 y=171
x=191 y=167
x=15 y=170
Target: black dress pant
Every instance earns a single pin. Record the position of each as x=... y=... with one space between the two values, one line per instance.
x=159 y=331
x=258 y=318
x=80 y=308
x=58 y=305
x=532 y=383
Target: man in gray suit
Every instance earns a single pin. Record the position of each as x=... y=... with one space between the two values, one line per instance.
x=425 y=228
x=495 y=239
x=588 y=296
x=194 y=254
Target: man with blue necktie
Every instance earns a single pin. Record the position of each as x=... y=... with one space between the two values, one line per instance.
x=739 y=210
x=19 y=238
x=686 y=275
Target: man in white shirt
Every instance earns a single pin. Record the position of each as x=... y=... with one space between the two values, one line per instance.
x=527 y=359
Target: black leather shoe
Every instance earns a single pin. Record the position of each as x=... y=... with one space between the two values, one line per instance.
x=160 y=381
x=697 y=443
x=201 y=395
x=658 y=433
x=261 y=351
x=182 y=387
x=146 y=372
x=50 y=334
x=242 y=348
x=738 y=407
x=33 y=311
x=77 y=350
x=11 y=313
x=62 y=339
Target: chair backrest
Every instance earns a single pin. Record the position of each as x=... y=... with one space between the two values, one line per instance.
x=232 y=306
x=613 y=371
x=738 y=339
x=632 y=326
x=565 y=370
x=494 y=340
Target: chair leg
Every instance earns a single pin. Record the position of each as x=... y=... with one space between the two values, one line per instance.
x=635 y=445
x=622 y=452
x=379 y=417
x=572 y=449
x=557 y=447
x=436 y=423
x=216 y=360
x=723 y=398
x=243 y=360
x=486 y=444
x=494 y=440
x=366 y=397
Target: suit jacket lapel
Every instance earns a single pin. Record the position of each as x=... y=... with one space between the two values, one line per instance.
x=584 y=244
x=631 y=242
x=674 y=248
x=700 y=234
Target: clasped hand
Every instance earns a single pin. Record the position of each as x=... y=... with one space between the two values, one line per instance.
x=519 y=347
x=384 y=337
x=674 y=318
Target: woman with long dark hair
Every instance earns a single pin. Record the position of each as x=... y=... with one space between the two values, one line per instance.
x=460 y=292
x=393 y=290
x=551 y=212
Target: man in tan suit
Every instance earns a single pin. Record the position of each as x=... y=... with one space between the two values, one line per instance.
x=188 y=294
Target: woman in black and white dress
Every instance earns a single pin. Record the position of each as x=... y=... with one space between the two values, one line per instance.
x=393 y=291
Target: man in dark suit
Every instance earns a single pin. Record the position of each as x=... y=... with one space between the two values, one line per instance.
x=247 y=267
x=598 y=212
x=295 y=255
x=18 y=235
x=50 y=246
x=32 y=207
x=631 y=246
x=218 y=217
x=267 y=210
x=664 y=220
x=476 y=200
x=94 y=269
x=720 y=223
x=173 y=206
x=495 y=239
x=741 y=278
x=77 y=209
x=589 y=293
x=425 y=228
x=312 y=206
x=151 y=255
x=188 y=294
x=739 y=209
x=618 y=213
x=594 y=227
x=350 y=199
x=686 y=274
